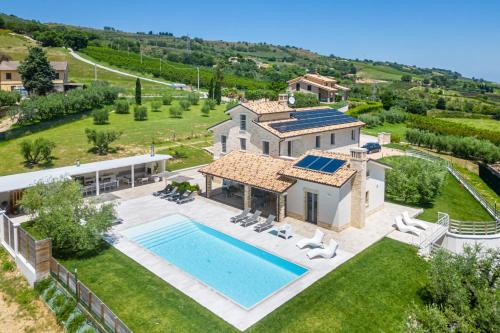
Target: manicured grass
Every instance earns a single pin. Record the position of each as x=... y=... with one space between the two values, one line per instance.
x=186 y=156
x=371 y=292
x=486 y=124
x=71 y=142
x=395 y=129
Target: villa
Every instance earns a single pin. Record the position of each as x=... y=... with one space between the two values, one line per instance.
x=332 y=190
x=276 y=129
x=324 y=87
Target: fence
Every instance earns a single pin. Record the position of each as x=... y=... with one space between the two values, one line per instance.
x=427 y=242
x=87 y=298
x=474 y=228
x=36 y=252
x=490 y=208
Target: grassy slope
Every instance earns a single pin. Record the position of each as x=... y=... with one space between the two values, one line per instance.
x=17 y=47
x=487 y=124
x=399 y=129
x=137 y=136
x=379 y=72
x=371 y=292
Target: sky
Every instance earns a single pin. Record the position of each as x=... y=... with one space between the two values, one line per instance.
x=463 y=36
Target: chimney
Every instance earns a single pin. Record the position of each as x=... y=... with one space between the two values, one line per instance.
x=358 y=162
x=283 y=99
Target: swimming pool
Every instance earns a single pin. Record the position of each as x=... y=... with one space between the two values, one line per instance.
x=238 y=270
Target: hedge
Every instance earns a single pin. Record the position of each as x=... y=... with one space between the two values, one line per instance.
x=365 y=108
x=444 y=127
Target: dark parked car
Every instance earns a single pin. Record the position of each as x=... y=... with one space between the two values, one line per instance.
x=372 y=147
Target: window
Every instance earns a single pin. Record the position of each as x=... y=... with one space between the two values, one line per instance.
x=243 y=144
x=353 y=135
x=309 y=88
x=318 y=141
x=57 y=76
x=367 y=173
x=332 y=138
x=243 y=122
x=289 y=149
x=223 y=142
x=367 y=198
x=265 y=147
x=8 y=76
x=297 y=86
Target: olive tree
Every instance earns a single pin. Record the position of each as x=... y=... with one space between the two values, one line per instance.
x=36 y=151
x=101 y=139
x=59 y=211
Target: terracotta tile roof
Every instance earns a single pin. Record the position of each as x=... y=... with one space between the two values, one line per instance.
x=254 y=170
x=339 y=87
x=319 y=85
x=320 y=77
x=12 y=65
x=264 y=107
x=338 y=178
x=284 y=135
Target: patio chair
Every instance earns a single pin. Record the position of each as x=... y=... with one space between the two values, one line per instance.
x=186 y=197
x=176 y=196
x=174 y=191
x=252 y=219
x=168 y=188
x=241 y=216
x=406 y=228
x=316 y=241
x=327 y=253
x=268 y=223
x=285 y=231
x=413 y=222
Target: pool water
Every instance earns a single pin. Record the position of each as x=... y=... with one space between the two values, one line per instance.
x=238 y=270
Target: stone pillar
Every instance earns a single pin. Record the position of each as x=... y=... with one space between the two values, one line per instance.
x=247 y=197
x=208 y=185
x=358 y=200
x=97 y=186
x=281 y=207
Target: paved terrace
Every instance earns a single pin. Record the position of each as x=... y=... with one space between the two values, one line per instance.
x=138 y=206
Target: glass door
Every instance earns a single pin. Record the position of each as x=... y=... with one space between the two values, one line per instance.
x=311 y=207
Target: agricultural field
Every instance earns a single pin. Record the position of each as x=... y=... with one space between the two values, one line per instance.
x=16 y=47
x=160 y=128
x=481 y=124
x=378 y=72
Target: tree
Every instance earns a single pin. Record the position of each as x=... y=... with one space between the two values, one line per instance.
x=406 y=78
x=441 y=103
x=8 y=98
x=167 y=99
x=217 y=84
x=101 y=116
x=140 y=113
x=156 y=106
x=194 y=98
x=122 y=106
x=76 y=39
x=184 y=104
x=303 y=100
x=2 y=23
x=49 y=38
x=461 y=293
x=175 y=111
x=36 y=72
x=138 y=93
x=205 y=109
x=387 y=98
x=59 y=212
x=101 y=139
x=37 y=151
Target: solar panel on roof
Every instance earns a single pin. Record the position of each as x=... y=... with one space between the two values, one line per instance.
x=313 y=119
x=320 y=163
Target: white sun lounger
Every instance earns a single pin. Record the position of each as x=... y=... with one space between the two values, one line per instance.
x=412 y=222
x=316 y=241
x=285 y=231
x=327 y=253
x=406 y=228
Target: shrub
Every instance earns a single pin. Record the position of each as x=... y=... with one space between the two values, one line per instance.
x=184 y=104
x=365 y=108
x=186 y=186
x=205 y=109
x=156 y=106
x=371 y=120
x=8 y=266
x=252 y=95
x=193 y=98
x=65 y=310
x=303 y=100
x=414 y=181
x=175 y=111
x=167 y=99
x=101 y=139
x=231 y=104
x=395 y=138
x=8 y=98
x=140 y=113
x=101 y=116
x=37 y=151
x=122 y=106
x=75 y=323
x=58 y=209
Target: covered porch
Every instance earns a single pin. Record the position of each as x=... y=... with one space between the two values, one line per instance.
x=243 y=180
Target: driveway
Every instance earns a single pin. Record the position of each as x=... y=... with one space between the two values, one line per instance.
x=365 y=138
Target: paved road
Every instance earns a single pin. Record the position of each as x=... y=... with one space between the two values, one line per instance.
x=78 y=57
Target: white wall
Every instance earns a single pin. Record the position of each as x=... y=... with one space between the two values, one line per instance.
x=334 y=204
x=375 y=186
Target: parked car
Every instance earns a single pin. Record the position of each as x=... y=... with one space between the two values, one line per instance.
x=372 y=147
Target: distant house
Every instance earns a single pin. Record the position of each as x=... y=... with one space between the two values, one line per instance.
x=324 y=87
x=10 y=79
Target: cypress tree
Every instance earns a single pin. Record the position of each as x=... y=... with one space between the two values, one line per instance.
x=138 y=94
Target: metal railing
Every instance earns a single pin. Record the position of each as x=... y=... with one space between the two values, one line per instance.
x=427 y=241
x=490 y=208
x=474 y=227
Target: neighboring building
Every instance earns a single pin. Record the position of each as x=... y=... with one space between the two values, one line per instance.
x=332 y=190
x=274 y=128
x=10 y=79
x=324 y=87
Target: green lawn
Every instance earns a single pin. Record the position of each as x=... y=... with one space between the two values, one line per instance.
x=398 y=129
x=137 y=136
x=370 y=292
x=187 y=155
x=379 y=72
x=486 y=124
